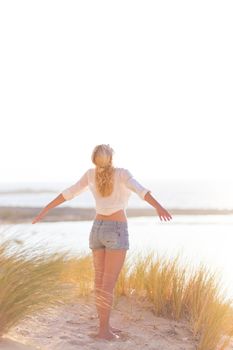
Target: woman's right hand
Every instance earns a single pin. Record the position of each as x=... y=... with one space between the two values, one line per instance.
x=39 y=217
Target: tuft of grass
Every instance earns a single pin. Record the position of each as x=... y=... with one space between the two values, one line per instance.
x=164 y=288
x=28 y=284
x=79 y=271
x=208 y=311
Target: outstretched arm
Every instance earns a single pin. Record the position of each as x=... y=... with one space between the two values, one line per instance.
x=54 y=203
x=163 y=213
x=145 y=194
x=70 y=192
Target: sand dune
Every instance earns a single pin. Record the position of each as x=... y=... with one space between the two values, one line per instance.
x=73 y=326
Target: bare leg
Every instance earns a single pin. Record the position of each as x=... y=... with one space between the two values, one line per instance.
x=113 y=263
x=99 y=260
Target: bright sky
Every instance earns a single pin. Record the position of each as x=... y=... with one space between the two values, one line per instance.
x=154 y=79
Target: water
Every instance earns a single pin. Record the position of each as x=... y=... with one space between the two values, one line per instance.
x=200 y=238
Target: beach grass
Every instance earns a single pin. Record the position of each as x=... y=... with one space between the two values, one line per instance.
x=28 y=284
x=31 y=283
x=174 y=291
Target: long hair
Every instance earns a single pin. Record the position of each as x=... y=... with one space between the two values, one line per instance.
x=104 y=170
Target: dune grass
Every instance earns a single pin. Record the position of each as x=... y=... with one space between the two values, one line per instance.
x=79 y=271
x=174 y=291
x=28 y=285
x=31 y=283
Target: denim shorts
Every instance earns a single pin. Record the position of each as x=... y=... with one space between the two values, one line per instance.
x=109 y=234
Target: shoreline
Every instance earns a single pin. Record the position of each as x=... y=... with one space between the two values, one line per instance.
x=26 y=214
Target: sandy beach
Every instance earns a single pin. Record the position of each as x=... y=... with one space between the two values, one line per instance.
x=9 y=344
x=73 y=326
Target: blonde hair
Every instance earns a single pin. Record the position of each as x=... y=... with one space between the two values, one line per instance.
x=104 y=170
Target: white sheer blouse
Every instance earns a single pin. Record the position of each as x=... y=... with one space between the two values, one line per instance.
x=124 y=183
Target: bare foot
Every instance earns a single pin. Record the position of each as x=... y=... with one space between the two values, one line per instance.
x=107 y=335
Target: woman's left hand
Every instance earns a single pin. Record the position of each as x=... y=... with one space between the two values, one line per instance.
x=163 y=214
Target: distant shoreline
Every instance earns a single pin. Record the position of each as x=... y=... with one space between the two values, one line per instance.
x=26 y=214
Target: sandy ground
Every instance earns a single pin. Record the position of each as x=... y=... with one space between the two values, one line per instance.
x=9 y=344
x=73 y=326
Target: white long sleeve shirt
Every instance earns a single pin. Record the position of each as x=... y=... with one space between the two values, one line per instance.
x=124 y=183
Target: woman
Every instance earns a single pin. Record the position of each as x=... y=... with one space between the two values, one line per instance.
x=111 y=187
